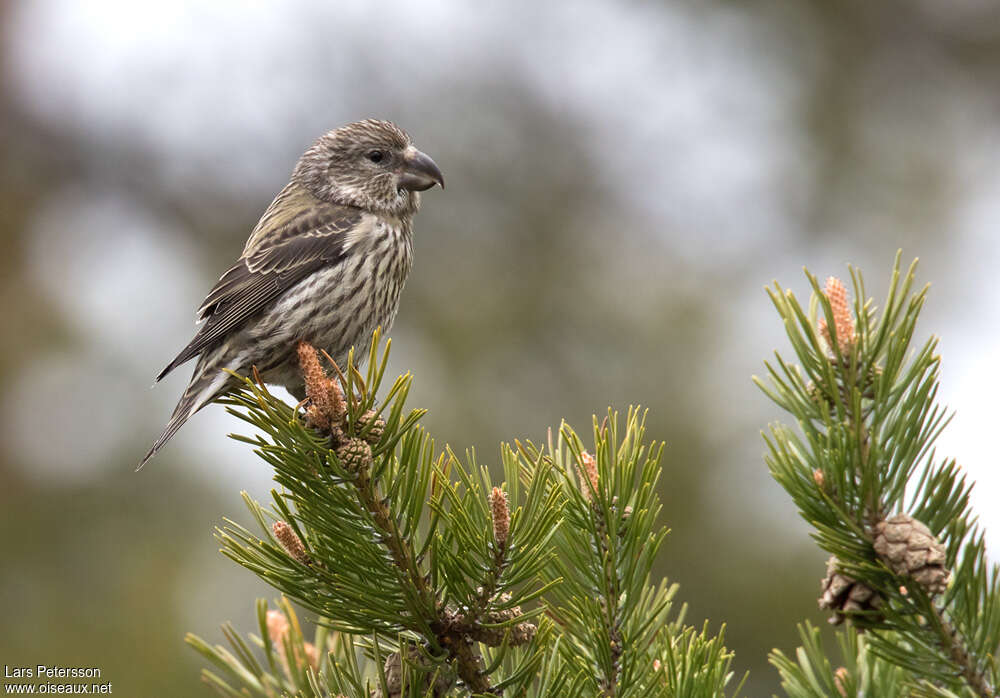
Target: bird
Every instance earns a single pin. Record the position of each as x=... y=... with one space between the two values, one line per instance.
x=325 y=264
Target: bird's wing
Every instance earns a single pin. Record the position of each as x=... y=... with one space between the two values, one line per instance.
x=299 y=243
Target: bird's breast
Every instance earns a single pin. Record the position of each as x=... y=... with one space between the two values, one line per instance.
x=392 y=258
x=363 y=291
x=339 y=306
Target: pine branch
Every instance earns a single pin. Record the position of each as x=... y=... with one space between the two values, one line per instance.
x=865 y=404
x=954 y=644
x=617 y=637
x=438 y=590
x=813 y=674
x=440 y=584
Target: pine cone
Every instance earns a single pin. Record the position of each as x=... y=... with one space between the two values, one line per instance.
x=394 y=675
x=355 y=455
x=910 y=550
x=374 y=434
x=520 y=633
x=846 y=596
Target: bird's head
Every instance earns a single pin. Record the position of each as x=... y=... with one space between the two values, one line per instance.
x=369 y=164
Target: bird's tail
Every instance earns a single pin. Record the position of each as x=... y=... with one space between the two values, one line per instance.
x=208 y=382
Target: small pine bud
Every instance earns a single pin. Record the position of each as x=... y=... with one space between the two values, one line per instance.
x=316 y=419
x=335 y=398
x=277 y=628
x=819 y=396
x=840 y=680
x=819 y=478
x=501 y=516
x=656 y=665
x=313 y=376
x=374 y=425
x=290 y=542
x=327 y=408
x=312 y=655
x=587 y=468
x=843 y=320
x=355 y=455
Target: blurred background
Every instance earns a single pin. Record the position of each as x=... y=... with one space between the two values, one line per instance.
x=623 y=181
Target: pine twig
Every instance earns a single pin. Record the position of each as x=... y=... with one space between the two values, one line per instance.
x=610 y=617
x=953 y=643
x=468 y=663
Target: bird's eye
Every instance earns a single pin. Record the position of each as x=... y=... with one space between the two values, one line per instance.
x=376 y=156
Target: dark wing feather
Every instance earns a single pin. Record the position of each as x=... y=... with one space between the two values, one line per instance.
x=306 y=241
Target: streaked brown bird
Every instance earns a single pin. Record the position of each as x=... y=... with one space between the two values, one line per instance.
x=325 y=264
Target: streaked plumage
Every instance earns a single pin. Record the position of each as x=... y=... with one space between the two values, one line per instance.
x=326 y=264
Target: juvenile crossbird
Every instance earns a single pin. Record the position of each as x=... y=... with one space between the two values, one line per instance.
x=325 y=264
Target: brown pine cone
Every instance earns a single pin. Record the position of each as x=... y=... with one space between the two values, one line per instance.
x=355 y=455
x=377 y=424
x=909 y=549
x=394 y=675
x=520 y=634
x=846 y=596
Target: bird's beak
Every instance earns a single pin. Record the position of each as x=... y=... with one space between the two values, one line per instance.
x=419 y=172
